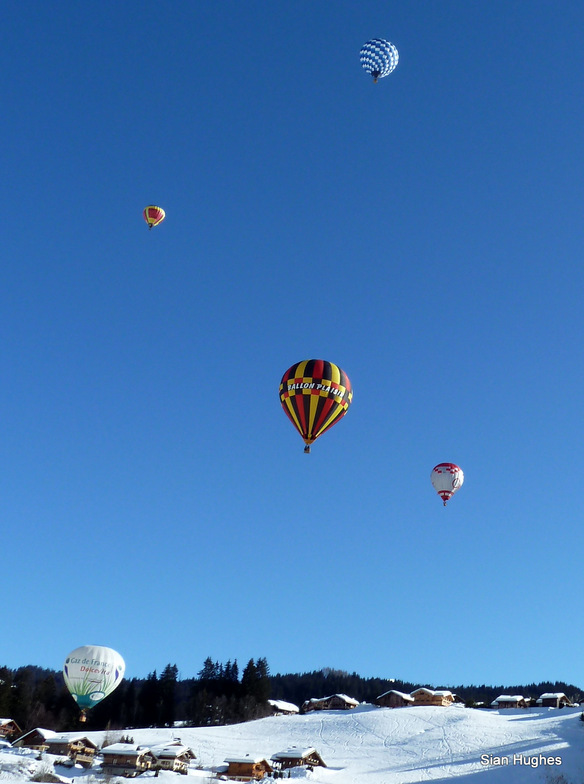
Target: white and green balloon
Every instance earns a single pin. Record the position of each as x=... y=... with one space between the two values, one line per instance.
x=91 y=673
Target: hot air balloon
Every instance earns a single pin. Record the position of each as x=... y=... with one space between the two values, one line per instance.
x=315 y=394
x=153 y=215
x=378 y=57
x=447 y=478
x=91 y=673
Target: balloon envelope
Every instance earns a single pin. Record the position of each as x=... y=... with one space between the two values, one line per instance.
x=378 y=57
x=315 y=394
x=446 y=478
x=153 y=215
x=91 y=673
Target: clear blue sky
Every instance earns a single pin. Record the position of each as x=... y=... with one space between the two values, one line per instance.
x=424 y=233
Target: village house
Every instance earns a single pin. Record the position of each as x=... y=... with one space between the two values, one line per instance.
x=281 y=708
x=510 y=701
x=9 y=728
x=297 y=757
x=394 y=699
x=334 y=702
x=35 y=739
x=554 y=700
x=440 y=697
x=126 y=759
x=80 y=749
x=173 y=756
x=247 y=768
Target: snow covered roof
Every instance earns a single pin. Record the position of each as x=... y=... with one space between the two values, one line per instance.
x=399 y=693
x=436 y=693
x=294 y=753
x=345 y=698
x=128 y=749
x=552 y=695
x=508 y=698
x=247 y=758
x=40 y=731
x=69 y=739
x=284 y=706
x=171 y=750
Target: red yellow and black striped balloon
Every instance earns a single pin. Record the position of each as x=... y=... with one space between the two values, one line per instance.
x=315 y=394
x=153 y=215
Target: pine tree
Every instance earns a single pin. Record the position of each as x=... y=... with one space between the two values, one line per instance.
x=249 y=679
x=210 y=671
x=148 y=701
x=167 y=695
x=5 y=692
x=263 y=686
x=21 y=709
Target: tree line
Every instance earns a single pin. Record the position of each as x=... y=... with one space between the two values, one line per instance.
x=296 y=688
x=219 y=694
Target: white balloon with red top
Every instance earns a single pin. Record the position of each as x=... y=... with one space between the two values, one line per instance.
x=447 y=479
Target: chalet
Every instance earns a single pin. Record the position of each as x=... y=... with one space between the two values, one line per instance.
x=440 y=697
x=79 y=749
x=35 y=739
x=126 y=759
x=247 y=768
x=334 y=702
x=394 y=699
x=281 y=708
x=510 y=701
x=173 y=756
x=554 y=700
x=9 y=728
x=297 y=757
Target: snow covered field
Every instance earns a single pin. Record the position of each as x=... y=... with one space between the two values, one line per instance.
x=380 y=746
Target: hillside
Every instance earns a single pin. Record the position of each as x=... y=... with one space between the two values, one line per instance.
x=384 y=746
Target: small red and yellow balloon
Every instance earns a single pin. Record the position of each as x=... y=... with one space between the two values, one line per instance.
x=315 y=395
x=153 y=215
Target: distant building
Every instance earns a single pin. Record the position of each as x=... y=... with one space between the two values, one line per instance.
x=173 y=756
x=126 y=759
x=334 y=702
x=554 y=700
x=79 y=749
x=247 y=768
x=280 y=708
x=297 y=757
x=441 y=697
x=510 y=701
x=35 y=739
x=9 y=728
x=394 y=699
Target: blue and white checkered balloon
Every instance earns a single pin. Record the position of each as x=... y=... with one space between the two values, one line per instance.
x=378 y=57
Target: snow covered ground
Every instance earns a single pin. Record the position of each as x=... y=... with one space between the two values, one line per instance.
x=379 y=746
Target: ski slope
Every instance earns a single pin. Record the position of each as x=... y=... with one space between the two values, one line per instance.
x=370 y=745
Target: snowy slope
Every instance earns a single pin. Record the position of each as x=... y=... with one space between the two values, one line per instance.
x=382 y=746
